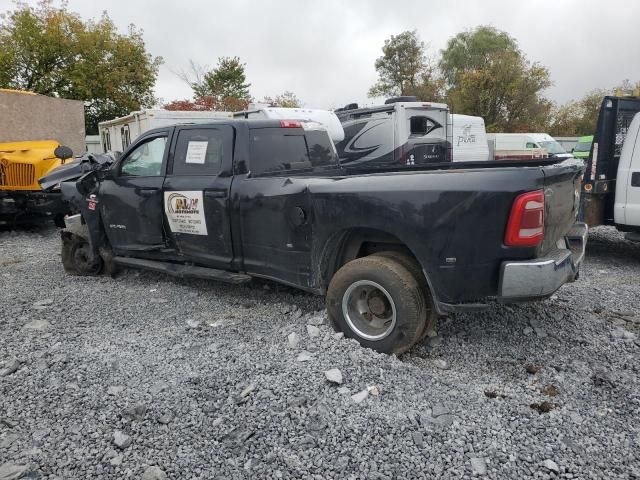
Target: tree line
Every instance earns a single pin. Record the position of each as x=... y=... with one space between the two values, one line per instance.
x=483 y=72
x=49 y=50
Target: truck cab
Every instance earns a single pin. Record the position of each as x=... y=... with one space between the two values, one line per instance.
x=627 y=197
x=582 y=147
x=607 y=198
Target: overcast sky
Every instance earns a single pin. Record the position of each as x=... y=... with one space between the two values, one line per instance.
x=325 y=50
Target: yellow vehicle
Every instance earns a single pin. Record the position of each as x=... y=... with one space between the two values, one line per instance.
x=33 y=129
x=21 y=165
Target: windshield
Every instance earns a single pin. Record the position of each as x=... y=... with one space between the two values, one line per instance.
x=582 y=147
x=552 y=147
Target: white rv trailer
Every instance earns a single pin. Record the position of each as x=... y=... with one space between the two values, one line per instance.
x=117 y=134
x=408 y=132
x=328 y=119
x=468 y=138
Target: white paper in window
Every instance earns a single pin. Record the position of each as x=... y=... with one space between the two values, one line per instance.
x=197 y=152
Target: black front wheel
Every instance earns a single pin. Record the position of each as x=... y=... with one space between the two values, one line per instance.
x=379 y=302
x=77 y=258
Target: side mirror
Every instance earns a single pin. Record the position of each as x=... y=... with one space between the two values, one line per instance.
x=106 y=174
x=86 y=184
x=63 y=152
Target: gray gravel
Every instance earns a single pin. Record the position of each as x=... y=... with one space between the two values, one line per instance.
x=148 y=376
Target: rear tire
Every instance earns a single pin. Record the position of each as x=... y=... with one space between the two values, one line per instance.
x=77 y=258
x=379 y=302
x=431 y=316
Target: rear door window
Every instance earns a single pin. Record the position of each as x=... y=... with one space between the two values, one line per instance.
x=322 y=152
x=202 y=151
x=276 y=150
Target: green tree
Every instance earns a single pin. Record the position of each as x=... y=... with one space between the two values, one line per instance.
x=226 y=84
x=285 y=100
x=472 y=50
x=404 y=69
x=52 y=51
x=488 y=76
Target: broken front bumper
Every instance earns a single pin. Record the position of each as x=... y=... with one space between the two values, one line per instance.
x=541 y=277
x=36 y=203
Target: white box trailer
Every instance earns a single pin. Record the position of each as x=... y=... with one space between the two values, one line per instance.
x=468 y=138
x=117 y=134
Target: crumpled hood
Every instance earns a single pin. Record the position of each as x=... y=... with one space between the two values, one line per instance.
x=76 y=168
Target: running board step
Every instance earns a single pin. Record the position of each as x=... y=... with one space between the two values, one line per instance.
x=183 y=271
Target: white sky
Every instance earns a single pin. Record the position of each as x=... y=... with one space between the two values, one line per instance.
x=324 y=50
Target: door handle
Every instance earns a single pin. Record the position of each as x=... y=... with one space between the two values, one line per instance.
x=147 y=192
x=635 y=179
x=215 y=194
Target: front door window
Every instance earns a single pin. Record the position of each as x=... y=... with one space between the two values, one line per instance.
x=145 y=160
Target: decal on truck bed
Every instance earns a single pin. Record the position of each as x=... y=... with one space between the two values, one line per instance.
x=185 y=212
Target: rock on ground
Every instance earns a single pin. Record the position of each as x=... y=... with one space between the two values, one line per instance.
x=154 y=473
x=478 y=466
x=12 y=471
x=121 y=440
x=334 y=376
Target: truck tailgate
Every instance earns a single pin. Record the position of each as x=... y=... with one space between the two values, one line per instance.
x=562 y=186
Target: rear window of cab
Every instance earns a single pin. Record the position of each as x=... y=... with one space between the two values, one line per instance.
x=282 y=150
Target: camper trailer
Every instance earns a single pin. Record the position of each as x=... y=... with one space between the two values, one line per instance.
x=326 y=118
x=117 y=134
x=403 y=131
x=468 y=138
x=408 y=132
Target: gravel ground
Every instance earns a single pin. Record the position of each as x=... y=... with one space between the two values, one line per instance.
x=152 y=377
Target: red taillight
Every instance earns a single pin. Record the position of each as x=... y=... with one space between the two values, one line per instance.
x=290 y=124
x=526 y=220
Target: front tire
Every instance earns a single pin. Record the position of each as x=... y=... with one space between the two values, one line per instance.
x=77 y=258
x=379 y=302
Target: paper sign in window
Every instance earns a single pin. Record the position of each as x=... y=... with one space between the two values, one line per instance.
x=197 y=152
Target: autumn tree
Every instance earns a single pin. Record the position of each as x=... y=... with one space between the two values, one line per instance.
x=52 y=51
x=404 y=69
x=488 y=76
x=579 y=117
x=285 y=100
x=207 y=103
x=198 y=105
x=226 y=85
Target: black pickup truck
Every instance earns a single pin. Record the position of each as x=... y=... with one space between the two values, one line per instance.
x=391 y=250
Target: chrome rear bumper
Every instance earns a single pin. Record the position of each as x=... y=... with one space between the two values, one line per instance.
x=541 y=277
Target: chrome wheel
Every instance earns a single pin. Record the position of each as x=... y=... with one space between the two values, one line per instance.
x=369 y=310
